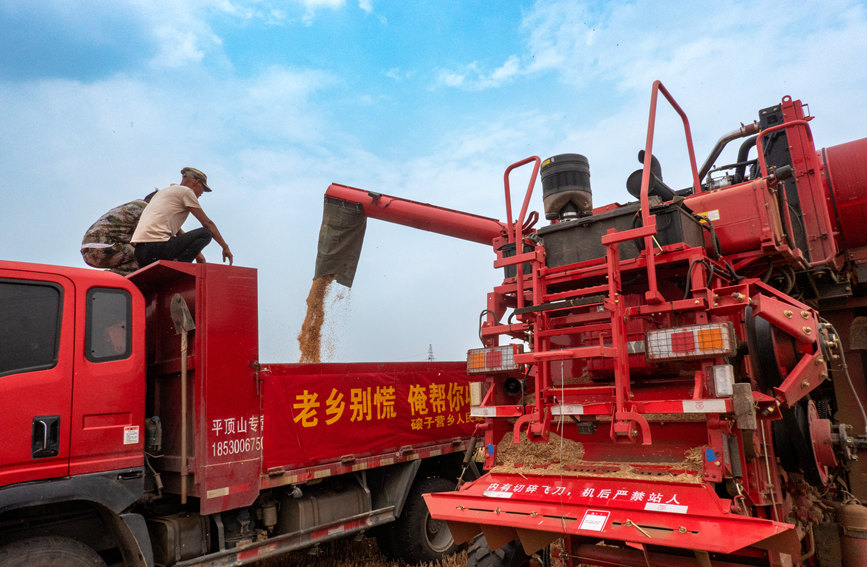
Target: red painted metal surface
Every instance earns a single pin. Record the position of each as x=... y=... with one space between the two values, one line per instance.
x=225 y=437
x=343 y=413
x=745 y=218
x=686 y=516
x=99 y=405
x=846 y=177
x=265 y=425
x=422 y=216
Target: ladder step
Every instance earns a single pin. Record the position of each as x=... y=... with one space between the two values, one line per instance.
x=577 y=330
x=600 y=290
x=562 y=304
x=567 y=354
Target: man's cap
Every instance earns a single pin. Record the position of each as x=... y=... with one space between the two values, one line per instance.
x=196 y=174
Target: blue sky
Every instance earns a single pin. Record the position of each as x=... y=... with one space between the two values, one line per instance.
x=102 y=101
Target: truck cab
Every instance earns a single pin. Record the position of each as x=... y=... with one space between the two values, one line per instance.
x=72 y=379
x=73 y=361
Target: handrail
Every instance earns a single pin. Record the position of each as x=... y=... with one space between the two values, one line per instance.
x=763 y=164
x=515 y=228
x=653 y=289
x=520 y=220
x=815 y=166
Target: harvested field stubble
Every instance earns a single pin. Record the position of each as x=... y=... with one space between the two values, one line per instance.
x=352 y=553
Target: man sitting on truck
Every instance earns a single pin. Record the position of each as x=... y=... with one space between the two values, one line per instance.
x=106 y=244
x=158 y=235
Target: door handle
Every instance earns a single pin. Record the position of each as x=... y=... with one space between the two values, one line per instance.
x=46 y=436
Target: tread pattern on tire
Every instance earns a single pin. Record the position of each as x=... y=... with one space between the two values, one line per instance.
x=49 y=551
x=409 y=529
x=510 y=555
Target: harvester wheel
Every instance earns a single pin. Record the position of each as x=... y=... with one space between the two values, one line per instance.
x=49 y=551
x=510 y=555
x=418 y=536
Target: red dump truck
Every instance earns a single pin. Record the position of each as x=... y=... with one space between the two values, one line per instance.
x=138 y=427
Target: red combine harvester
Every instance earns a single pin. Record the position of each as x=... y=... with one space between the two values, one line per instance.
x=675 y=381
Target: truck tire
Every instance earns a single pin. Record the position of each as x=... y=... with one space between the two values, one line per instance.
x=387 y=541
x=421 y=537
x=510 y=555
x=49 y=551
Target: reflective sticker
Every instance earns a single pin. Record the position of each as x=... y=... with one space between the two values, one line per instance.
x=483 y=412
x=497 y=494
x=218 y=492
x=568 y=409
x=704 y=406
x=673 y=508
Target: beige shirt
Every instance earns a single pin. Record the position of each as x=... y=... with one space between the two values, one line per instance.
x=165 y=214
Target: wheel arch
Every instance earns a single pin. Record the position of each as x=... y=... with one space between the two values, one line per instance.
x=70 y=506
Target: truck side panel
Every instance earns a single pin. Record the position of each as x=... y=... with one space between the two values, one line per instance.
x=343 y=412
x=223 y=409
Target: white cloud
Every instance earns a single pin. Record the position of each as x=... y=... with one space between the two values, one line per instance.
x=313 y=6
x=508 y=70
x=471 y=77
x=452 y=78
x=178 y=47
x=272 y=142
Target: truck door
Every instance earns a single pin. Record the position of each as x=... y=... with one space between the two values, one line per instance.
x=36 y=364
x=109 y=385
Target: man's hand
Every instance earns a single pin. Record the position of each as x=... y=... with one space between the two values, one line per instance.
x=215 y=232
x=200 y=258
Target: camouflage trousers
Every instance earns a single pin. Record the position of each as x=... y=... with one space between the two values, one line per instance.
x=118 y=258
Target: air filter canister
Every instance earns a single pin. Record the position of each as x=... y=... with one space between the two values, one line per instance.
x=566 y=186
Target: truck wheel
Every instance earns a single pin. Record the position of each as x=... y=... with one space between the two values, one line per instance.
x=387 y=541
x=422 y=537
x=49 y=552
x=510 y=555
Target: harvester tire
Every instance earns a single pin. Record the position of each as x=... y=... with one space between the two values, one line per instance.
x=49 y=551
x=418 y=536
x=510 y=555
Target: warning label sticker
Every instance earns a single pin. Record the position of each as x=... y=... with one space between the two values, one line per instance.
x=130 y=435
x=594 y=520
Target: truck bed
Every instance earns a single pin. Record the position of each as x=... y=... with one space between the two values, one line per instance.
x=254 y=426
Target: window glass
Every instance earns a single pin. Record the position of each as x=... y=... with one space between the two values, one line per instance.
x=108 y=324
x=29 y=325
